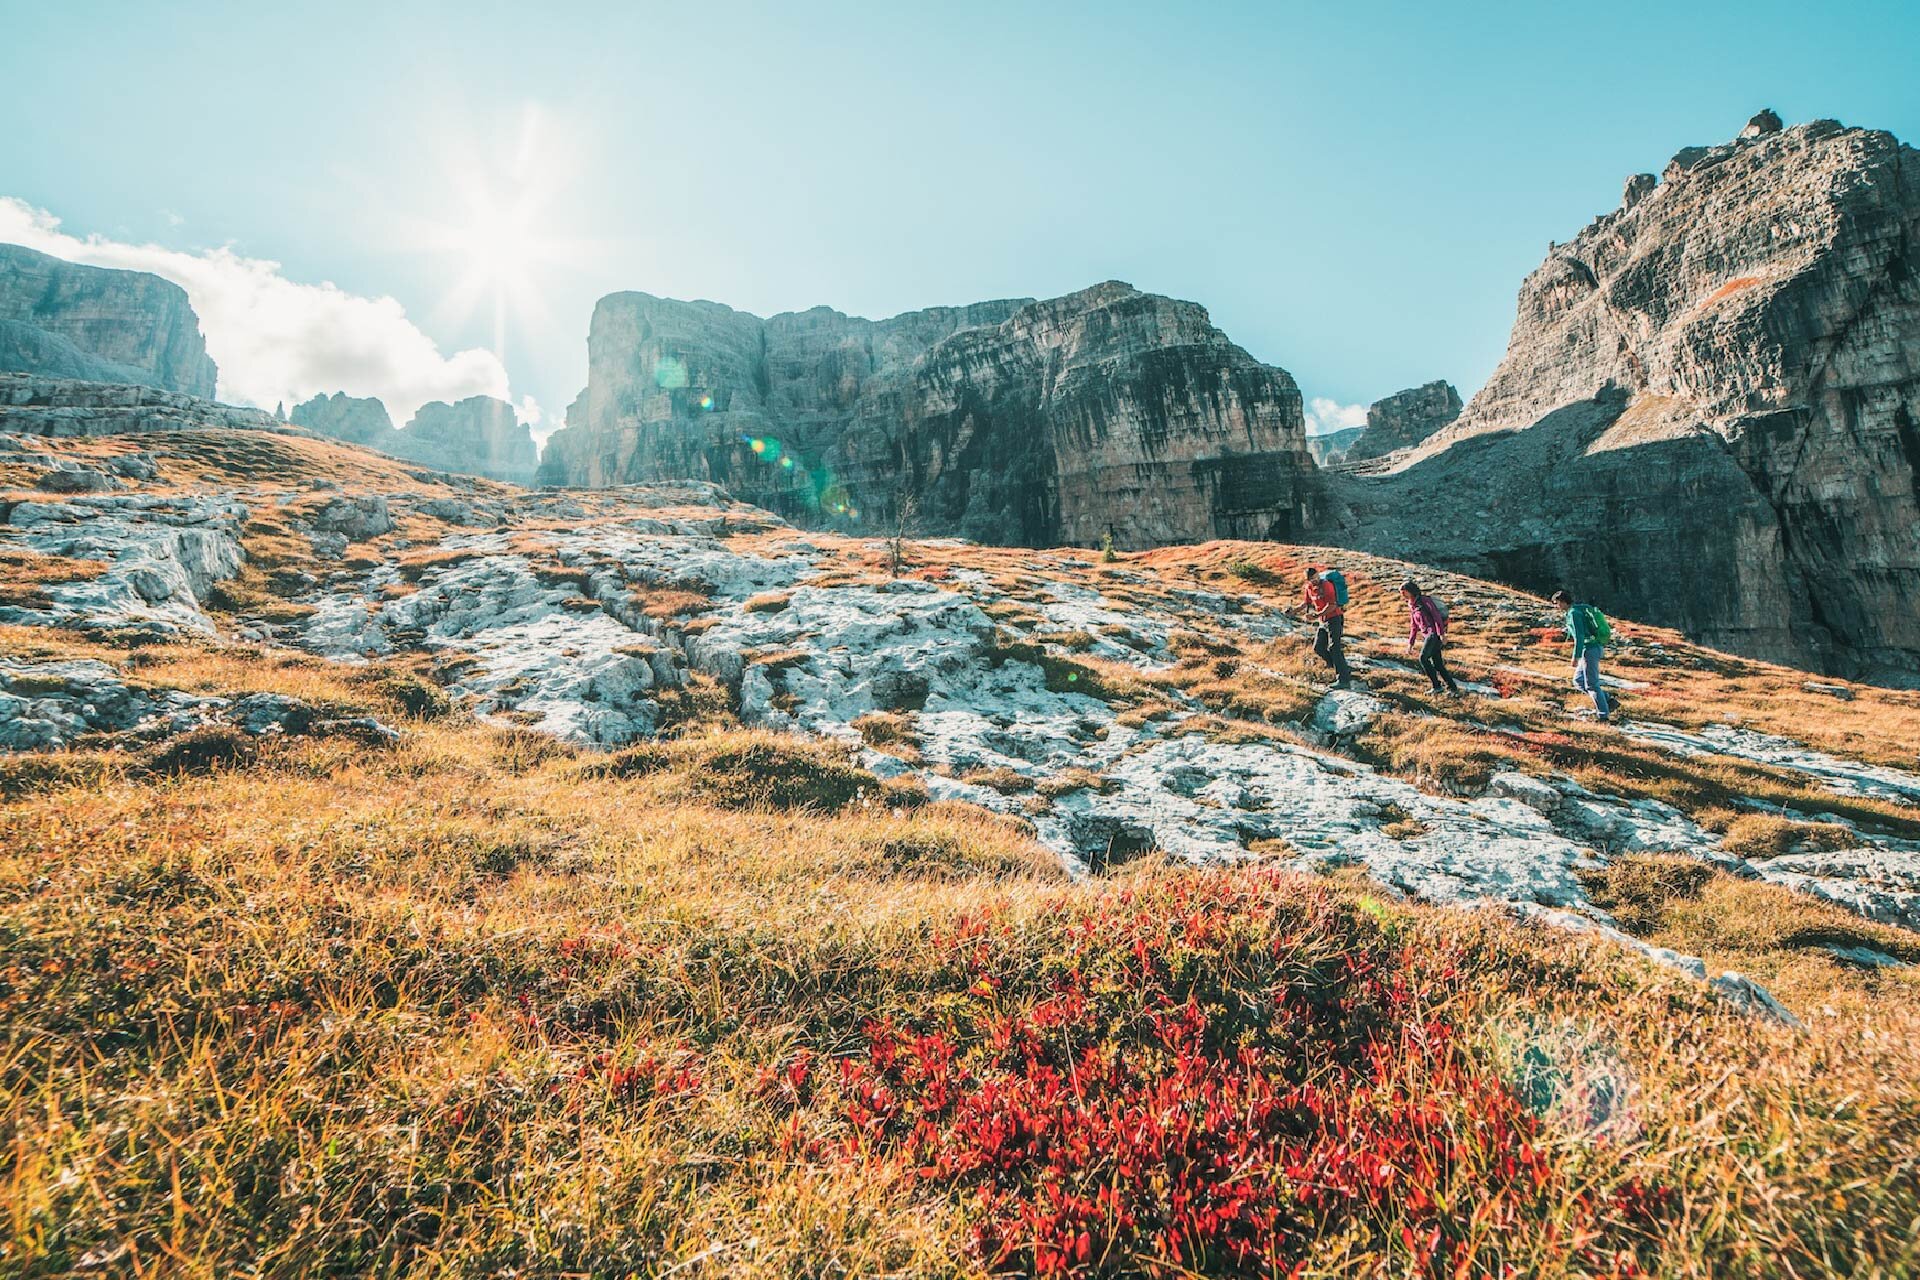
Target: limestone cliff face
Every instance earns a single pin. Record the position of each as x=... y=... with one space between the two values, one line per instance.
x=355 y=419
x=1709 y=410
x=62 y=319
x=480 y=435
x=1404 y=419
x=1105 y=411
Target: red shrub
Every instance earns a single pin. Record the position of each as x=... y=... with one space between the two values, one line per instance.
x=1207 y=1079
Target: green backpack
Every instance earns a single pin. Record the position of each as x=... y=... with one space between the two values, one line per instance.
x=1597 y=625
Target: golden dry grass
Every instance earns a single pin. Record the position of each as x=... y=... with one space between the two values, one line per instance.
x=275 y=1020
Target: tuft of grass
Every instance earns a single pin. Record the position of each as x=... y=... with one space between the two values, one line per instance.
x=768 y=602
x=1753 y=835
x=409 y=695
x=891 y=732
x=1000 y=778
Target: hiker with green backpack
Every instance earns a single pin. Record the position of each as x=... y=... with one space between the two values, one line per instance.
x=1591 y=635
x=1327 y=602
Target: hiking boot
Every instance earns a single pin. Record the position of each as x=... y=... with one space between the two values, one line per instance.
x=1344 y=682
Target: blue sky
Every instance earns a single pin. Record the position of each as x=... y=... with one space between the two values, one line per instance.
x=1353 y=191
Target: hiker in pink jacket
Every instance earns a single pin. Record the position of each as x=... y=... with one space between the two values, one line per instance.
x=1427 y=619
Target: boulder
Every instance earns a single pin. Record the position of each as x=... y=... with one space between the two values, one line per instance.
x=75 y=480
x=356 y=518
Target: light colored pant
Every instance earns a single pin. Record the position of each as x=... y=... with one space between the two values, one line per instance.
x=1586 y=678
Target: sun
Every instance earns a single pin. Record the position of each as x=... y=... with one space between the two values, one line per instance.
x=497 y=234
x=498 y=245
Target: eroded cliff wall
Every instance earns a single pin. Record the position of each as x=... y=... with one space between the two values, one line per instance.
x=63 y=319
x=1107 y=411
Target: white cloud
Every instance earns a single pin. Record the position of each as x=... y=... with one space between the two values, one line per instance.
x=1324 y=415
x=276 y=339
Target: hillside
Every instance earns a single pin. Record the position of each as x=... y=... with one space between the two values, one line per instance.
x=403 y=873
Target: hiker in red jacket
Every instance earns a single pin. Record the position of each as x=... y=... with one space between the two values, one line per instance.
x=1323 y=605
x=1427 y=627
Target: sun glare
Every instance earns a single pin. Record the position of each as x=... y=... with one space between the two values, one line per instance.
x=500 y=237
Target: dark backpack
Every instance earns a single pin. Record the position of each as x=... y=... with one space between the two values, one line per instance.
x=1339 y=581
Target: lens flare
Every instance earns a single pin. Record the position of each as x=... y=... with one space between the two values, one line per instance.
x=706 y=401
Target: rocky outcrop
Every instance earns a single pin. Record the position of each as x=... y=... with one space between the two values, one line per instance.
x=1404 y=419
x=354 y=419
x=477 y=436
x=1709 y=411
x=58 y=407
x=157 y=558
x=1108 y=412
x=63 y=319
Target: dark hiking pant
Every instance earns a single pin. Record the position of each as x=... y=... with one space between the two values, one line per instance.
x=1329 y=643
x=1433 y=661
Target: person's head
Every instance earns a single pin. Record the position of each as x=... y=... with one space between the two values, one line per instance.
x=1313 y=573
x=1410 y=589
x=1562 y=599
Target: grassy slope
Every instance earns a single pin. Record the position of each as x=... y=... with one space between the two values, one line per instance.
x=477 y=1005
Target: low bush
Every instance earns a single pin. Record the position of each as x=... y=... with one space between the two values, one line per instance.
x=208 y=749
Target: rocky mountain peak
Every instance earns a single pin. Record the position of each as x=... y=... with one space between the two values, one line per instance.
x=1707 y=405
x=357 y=419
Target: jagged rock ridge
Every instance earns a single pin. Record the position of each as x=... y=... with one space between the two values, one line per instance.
x=1331 y=446
x=1108 y=412
x=479 y=436
x=64 y=319
x=1709 y=410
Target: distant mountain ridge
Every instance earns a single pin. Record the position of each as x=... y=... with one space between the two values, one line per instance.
x=480 y=435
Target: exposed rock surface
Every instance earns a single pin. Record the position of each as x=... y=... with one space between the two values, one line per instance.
x=64 y=319
x=50 y=705
x=159 y=555
x=1404 y=419
x=1108 y=411
x=1709 y=411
